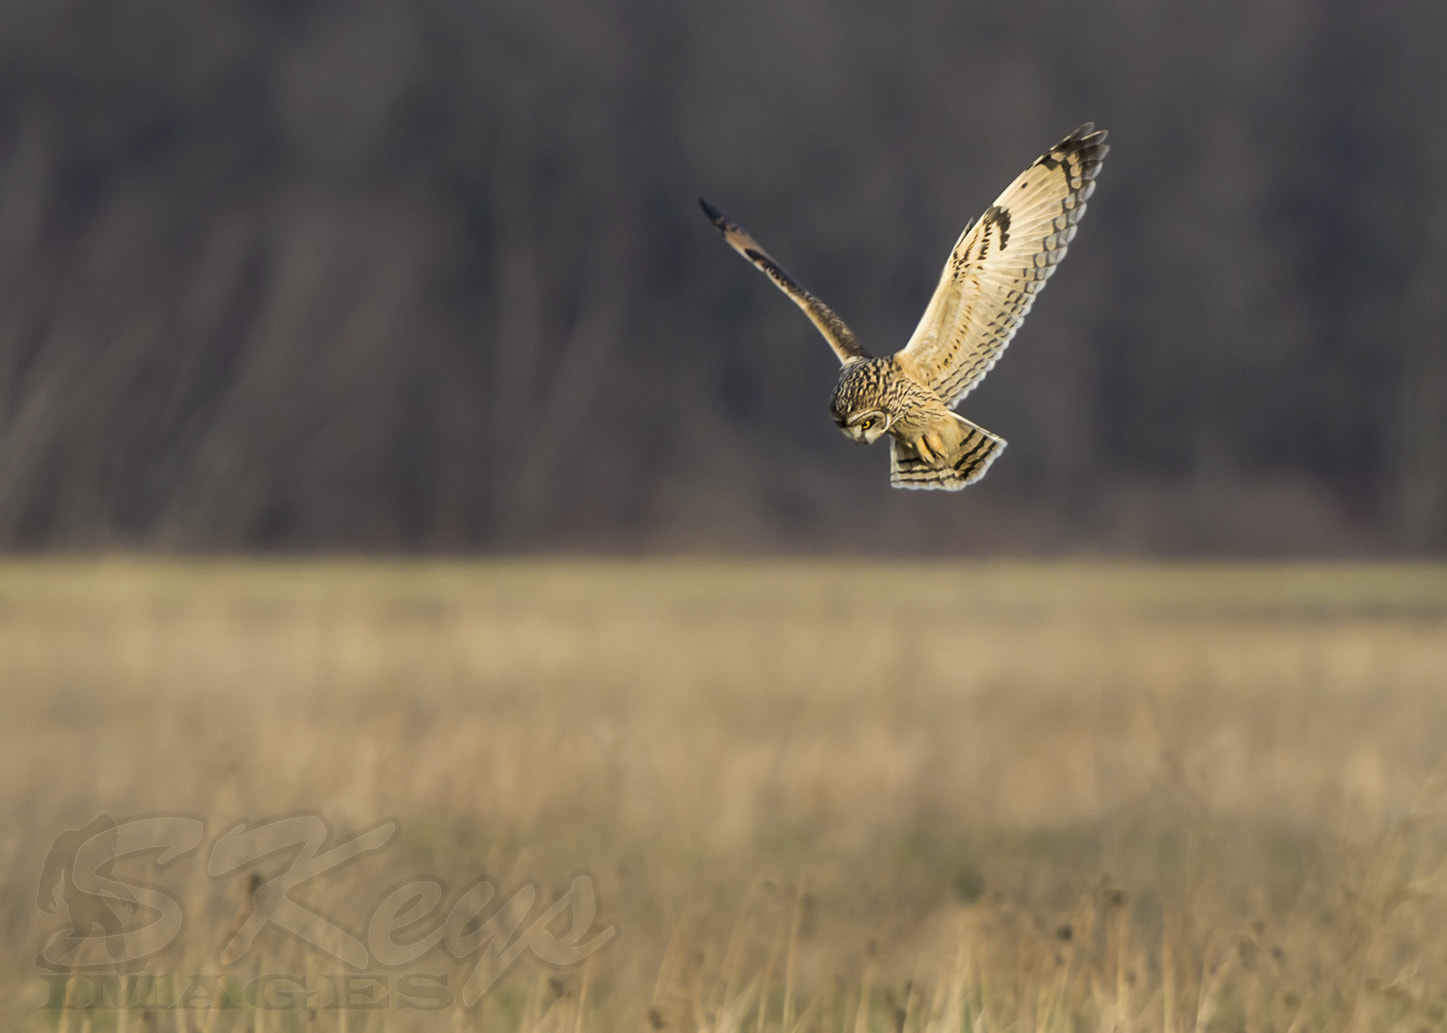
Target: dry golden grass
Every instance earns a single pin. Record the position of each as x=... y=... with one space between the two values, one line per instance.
x=830 y=797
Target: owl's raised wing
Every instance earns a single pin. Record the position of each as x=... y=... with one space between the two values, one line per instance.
x=839 y=336
x=1000 y=263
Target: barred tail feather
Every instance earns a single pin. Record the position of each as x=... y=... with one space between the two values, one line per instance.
x=977 y=450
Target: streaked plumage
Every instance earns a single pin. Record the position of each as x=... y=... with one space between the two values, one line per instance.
x=997 y=268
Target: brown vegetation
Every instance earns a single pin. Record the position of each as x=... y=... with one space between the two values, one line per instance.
x=814 y=798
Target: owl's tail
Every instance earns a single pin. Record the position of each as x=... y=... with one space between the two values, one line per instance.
x=968 y=462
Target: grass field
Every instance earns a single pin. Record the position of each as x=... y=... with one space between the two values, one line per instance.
x=832 y=797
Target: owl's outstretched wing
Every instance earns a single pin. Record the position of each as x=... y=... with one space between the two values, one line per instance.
x=839 y=336
x=1000 y=263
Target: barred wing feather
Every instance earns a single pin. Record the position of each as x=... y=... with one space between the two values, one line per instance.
x=834 y=329
x=1000 y=263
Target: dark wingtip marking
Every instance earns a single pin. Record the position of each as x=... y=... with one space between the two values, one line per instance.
x=1086 y=145
x=715 y=216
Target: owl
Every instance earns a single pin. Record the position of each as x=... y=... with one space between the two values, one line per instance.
x=996 y=269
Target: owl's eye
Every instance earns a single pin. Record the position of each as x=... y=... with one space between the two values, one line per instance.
x=866 y=424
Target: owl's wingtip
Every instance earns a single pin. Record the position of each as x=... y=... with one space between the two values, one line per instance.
x=715 y=216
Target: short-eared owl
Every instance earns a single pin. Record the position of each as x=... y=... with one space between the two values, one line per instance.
x=997 y=267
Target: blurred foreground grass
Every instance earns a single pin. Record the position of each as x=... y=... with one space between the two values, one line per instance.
x=839 y=797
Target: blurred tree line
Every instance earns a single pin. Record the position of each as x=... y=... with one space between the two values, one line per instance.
x=428 y=274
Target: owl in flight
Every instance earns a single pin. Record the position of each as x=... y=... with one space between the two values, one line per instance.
x=998 y=265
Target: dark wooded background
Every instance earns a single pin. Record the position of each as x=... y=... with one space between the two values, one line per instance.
x=429 y=274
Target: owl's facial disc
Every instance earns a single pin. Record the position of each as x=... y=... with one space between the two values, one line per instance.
x=866 y=427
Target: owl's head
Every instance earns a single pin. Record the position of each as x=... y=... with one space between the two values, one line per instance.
x=864 y=426
x=861 y=400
